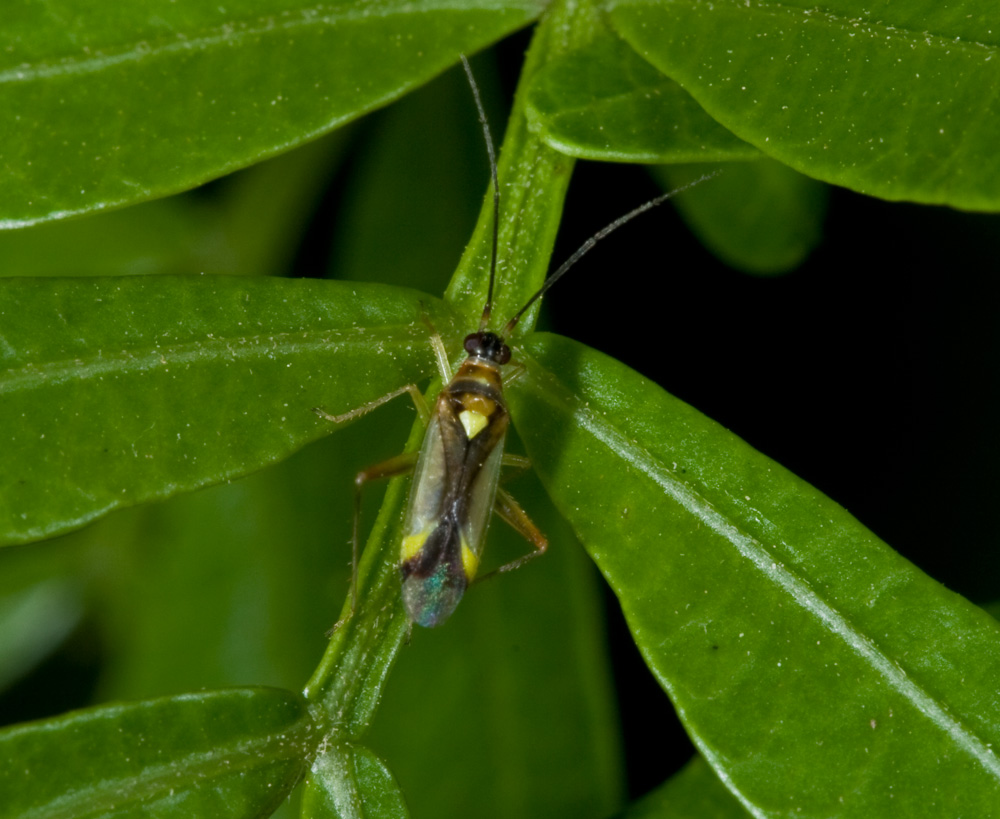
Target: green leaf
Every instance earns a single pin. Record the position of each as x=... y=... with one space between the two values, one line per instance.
x=761 y=217
x=350 y=782
x=816 y=669
x=695 y=792
x=603 y=101
x=248 y=224
x=103 y=109
x=887 y=99
x=223 y=754
x=140 y=388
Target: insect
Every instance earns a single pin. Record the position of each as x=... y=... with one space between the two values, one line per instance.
x=456 y=473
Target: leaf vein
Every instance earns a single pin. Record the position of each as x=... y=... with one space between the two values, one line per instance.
x=246 y=348
x=236 y=31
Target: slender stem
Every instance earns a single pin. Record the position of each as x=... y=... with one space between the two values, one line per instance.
x=347 y=684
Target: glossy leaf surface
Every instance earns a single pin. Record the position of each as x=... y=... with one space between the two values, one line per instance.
x=886 y=98
x=224 y=754
x=811 y=664
x=103 y=108
x=134 y=389
x=603 y=101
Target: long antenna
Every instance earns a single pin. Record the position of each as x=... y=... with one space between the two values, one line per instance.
x=593 y=240
x=496 y=192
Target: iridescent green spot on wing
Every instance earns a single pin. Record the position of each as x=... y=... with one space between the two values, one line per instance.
x=431 y=599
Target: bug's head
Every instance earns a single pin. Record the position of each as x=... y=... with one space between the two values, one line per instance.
x=490 y=346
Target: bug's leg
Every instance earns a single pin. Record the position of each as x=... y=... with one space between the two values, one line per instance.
x=440 y=353
x=391 y=468
x=518 y=463
x=364 y=409
x=510 y=510
x=514 y=372
x=443 y=365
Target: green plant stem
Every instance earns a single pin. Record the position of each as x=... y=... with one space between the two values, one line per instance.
x=346 y=686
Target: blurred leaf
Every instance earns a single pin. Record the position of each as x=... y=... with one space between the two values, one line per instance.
x=233 y=585
x=414 y=190
x=105 y=382
x=816 y=669
x=761 y=217
x=33 y=622
x=223 y=754
x=605 y=102
x=249 y=224
x=350 y=782
x=155 y=237
x=102 y=109
x=265 y=210
x=42 y=598
x=886 y=99
x=695 y=792
x=525 y=664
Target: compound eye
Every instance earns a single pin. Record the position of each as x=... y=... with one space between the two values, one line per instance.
x=473 y=343
x=503 y=356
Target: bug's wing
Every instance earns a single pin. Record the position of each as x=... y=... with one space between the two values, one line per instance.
x=479 y=507
x=451 y=499
x=427 y=491
x=434 y=579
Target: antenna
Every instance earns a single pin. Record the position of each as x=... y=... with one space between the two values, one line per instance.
x=593 y=240
x=496 y=192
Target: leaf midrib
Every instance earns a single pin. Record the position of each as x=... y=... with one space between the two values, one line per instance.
x=145 y=48
x=203 y=351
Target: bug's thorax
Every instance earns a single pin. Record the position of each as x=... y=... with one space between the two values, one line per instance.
x=475 y=394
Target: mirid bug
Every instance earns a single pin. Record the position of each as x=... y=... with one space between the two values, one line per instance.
x=456 y=472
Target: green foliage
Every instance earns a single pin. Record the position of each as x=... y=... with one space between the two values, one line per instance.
x=884 y=98
x=224 y=753
x=817 y=671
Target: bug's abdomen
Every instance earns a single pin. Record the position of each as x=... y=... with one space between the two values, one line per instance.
x=451 y=499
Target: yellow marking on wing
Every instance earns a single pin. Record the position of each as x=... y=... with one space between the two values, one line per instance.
x=412 y=544
x=470 y=562
x=474 y=422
